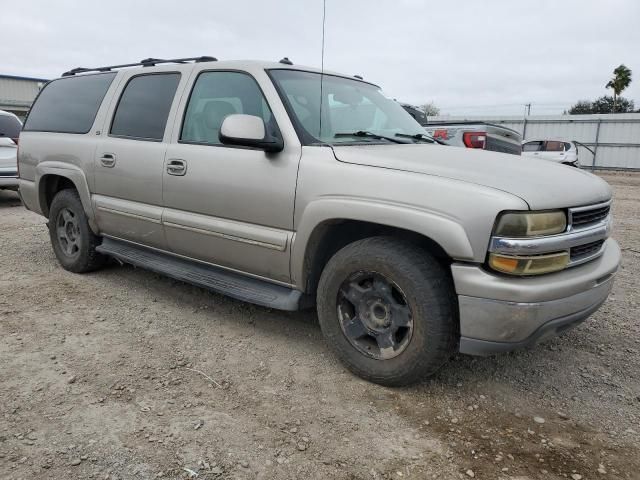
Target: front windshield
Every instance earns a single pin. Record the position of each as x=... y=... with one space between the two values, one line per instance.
x=348 y=107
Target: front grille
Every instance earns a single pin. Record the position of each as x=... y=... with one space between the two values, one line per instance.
x=586 y=250
x=586 y=217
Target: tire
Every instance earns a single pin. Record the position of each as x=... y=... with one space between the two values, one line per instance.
x=71 y=237
x=417 y=281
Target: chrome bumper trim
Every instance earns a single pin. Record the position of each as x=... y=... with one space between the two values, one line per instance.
x=552 y=243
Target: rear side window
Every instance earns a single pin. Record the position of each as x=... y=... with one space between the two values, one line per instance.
x=69 y=105
x=9 y=127
x=144 y=106
x=554 y=146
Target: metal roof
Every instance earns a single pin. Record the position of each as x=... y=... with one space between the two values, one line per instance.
x=17 y=77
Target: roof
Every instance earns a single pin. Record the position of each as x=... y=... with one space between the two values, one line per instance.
x=30 y=79
x=230 y=64
x=548 y=139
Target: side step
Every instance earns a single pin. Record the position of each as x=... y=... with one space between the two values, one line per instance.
x=229 y=283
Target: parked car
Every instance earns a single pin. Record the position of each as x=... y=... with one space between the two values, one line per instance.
x=559 y=151
x=10 y=127
x=222 y=174
x=480 y=135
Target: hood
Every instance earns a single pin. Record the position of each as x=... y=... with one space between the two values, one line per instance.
x=541 y=184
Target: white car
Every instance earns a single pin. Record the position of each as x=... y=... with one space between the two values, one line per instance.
x=558 y=151
x=10 y=128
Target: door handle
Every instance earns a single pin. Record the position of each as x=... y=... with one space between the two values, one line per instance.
x=108 y=160
x=176 y=167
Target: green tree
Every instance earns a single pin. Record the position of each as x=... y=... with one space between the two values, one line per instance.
x=608 y=104
x=583 y=107
x=620 y=81
x=603 y=104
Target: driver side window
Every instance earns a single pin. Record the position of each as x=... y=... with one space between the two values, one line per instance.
x=532 y=147
x=215 y=96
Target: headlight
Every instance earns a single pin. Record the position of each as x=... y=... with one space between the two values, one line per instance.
x=531 y=224
x=529 y=265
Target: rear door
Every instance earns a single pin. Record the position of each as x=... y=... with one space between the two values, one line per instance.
x=553 y=150
x=130 y=155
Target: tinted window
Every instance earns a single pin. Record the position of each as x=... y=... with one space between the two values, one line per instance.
x=9 y=126
x=532 y=147
x=553 y=146
x=69 y=105
x=144 y=106
x=216 y=95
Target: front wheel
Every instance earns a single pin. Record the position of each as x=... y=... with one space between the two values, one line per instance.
x=386 y=307
x=71 y=237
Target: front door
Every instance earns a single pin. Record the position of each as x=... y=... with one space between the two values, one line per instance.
x=129 y=160
x=230 y=206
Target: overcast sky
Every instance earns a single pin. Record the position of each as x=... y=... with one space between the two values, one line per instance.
x=469 y=57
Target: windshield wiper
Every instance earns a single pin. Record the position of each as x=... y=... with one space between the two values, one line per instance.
x=364 y=133
x=421 y=136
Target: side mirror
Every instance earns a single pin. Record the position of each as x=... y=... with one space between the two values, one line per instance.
x=248 y=131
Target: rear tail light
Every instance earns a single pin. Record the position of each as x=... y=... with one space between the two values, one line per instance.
x=475 y=139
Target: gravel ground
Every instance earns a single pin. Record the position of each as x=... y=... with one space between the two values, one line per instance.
x=124 y=374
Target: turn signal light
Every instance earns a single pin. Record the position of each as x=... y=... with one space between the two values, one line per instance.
x=529 y=265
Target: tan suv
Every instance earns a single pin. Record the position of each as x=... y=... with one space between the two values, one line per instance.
x=287 y=187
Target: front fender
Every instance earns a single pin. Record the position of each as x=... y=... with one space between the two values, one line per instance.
x=72 y=173
x=445 y=231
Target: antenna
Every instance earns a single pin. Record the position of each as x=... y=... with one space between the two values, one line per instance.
x=324 y=18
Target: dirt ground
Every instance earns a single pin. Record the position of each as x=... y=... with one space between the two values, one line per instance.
x=123 y=374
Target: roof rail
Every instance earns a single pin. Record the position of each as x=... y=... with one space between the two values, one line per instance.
x=147 y=62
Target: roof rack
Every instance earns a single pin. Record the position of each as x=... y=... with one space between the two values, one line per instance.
x=147 y=62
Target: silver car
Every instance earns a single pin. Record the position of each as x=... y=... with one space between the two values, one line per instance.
x=10 y=128
x=293 y=188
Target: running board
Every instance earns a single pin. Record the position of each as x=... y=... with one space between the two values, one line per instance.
x=216 y=279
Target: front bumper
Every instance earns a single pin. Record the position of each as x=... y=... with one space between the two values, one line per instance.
x=500 y=313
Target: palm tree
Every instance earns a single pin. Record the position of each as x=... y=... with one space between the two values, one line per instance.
x=621 y=80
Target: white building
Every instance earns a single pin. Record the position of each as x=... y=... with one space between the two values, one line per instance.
x=18 y=93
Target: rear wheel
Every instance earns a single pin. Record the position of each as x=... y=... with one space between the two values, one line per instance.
x=71 y=237
x=386 y=307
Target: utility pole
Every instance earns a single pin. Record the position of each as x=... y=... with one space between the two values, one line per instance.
x=527 y=106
